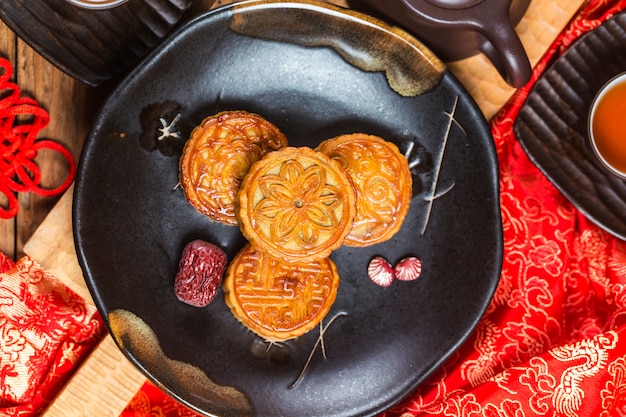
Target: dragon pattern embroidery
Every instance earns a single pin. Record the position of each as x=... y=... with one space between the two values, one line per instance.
x=591 y=356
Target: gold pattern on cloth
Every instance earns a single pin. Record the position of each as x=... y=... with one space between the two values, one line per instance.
x=45 y=330
x=590 y=357
x=613 y=394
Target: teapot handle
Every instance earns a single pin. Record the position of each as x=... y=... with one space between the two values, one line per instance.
x=506 y=52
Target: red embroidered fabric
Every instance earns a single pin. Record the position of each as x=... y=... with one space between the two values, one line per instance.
x=45 y=332
x=21 y=119
x=553 y=341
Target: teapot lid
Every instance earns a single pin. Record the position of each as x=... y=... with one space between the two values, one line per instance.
x=455 y=4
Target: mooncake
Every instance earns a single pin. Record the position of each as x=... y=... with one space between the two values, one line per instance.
x=279 y=300
x=296 y=204
x=383 y=183
x=217 y=156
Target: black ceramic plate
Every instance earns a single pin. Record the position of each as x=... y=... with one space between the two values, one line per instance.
x=92 y=46
x=552 y=124
x=316 y=72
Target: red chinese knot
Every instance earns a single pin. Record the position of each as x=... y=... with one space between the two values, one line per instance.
x=21 y=119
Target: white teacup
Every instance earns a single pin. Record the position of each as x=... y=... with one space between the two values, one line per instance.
x=607 y=125
x=97 y=4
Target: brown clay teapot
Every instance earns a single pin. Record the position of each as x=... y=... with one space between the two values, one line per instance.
x=457 y=29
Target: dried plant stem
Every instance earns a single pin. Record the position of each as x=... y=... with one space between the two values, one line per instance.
x=320 y=341
x=433 y=192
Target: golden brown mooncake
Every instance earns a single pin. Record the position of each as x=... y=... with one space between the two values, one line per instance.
x=279 y=300
x=296 y=204
x=383 y=183
x=217 y=156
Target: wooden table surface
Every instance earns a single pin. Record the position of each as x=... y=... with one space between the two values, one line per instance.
x=42 y=228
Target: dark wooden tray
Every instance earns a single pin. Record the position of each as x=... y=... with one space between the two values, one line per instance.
x=552 y=124
x=92 y=46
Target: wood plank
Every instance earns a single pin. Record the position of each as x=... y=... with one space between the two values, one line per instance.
x=8 y=231
x=52 y=246
x=71 y=105
x=102 y=387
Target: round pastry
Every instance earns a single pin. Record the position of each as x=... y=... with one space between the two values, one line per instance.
x=383 y=183
x=296 y=204
x=217 y=156
x=279 y=300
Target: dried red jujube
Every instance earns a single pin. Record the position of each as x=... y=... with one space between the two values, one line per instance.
x=200 y=273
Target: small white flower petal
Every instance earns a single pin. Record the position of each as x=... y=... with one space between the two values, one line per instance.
x=380 y=271
x=408 y=269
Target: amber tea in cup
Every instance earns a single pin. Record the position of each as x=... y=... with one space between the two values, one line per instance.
x=607 y=125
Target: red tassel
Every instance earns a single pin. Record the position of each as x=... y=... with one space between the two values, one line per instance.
x=21 y=120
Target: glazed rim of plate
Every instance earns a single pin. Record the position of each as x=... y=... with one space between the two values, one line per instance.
x=97 y=4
